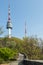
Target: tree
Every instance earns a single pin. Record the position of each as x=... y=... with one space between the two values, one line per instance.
x=7 y=53
x=31 y=48
x=1 y=31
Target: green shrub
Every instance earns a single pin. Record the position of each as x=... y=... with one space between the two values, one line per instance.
x=7 y=54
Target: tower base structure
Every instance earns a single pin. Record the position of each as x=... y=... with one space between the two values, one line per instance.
x=9 y=33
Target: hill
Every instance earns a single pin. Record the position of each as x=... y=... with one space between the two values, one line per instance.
x=10 y=47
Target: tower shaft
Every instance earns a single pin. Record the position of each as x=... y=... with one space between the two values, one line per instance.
x=9 y=33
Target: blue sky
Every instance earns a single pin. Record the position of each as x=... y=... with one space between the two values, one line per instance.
x=30 y=11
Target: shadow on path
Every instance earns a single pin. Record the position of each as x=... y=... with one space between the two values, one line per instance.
x=27 y=62
x=20 y=63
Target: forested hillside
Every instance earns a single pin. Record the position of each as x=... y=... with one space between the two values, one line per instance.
x=31 y=47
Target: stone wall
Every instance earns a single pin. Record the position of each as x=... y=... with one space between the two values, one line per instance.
x=26 y=62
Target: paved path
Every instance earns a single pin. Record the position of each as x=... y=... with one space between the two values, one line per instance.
x=12 y=63
x=16 y=63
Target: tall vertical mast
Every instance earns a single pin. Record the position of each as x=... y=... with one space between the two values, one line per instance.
x=9 y=19
x=25 y=29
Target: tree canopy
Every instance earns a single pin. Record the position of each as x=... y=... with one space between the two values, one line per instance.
x=9 y=48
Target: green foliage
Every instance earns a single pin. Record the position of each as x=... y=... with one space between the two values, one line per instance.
x=31 y=48
x=9 y=48
x=1 y=31
x=2 y=60
x=7 y=54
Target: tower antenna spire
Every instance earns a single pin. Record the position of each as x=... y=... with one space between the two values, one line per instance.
x=9 y=12
x=25 y=29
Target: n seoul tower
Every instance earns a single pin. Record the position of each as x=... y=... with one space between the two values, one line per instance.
x=9 y=24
